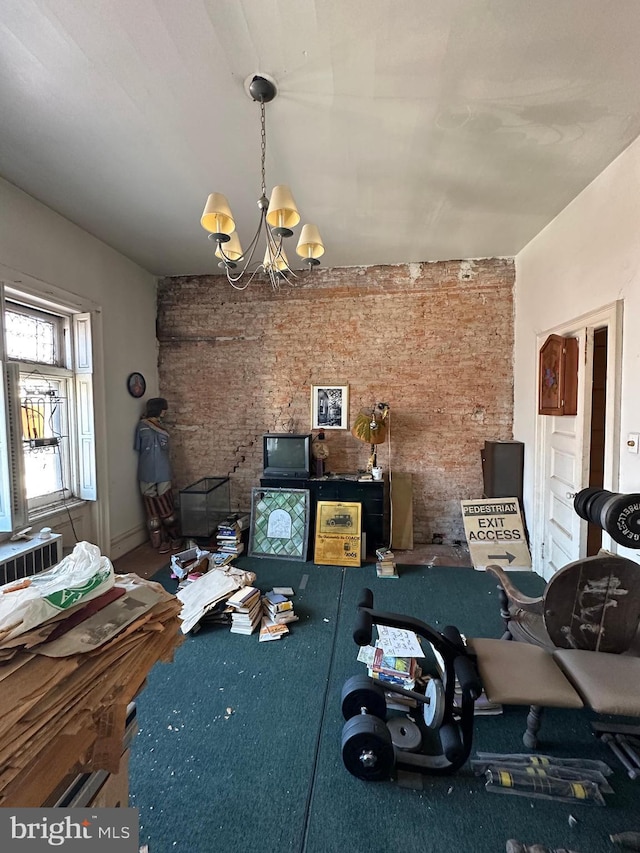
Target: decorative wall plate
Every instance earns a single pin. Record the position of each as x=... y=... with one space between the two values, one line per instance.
x=136 y=384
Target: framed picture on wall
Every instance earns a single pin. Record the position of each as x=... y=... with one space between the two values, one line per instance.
x=329 y=407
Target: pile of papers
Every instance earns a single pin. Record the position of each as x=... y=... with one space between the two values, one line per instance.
x=65 y=685
x=393 y=661
x=208 y=591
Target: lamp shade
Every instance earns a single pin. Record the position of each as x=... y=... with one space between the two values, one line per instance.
x=363 y=430
x=280 y=263
x=282 y=211
x=216 y=216
x=310 y=244
x=232 y=249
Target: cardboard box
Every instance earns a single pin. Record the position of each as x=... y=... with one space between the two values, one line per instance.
x=114 y=793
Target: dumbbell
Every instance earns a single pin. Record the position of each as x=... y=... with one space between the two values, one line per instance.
x=617 y=514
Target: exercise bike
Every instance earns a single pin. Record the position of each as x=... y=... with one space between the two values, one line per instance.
x=372 y=746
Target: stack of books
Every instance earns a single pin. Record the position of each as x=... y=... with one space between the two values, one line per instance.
x=392 y=669
x=271 y=630
x=386 y=563
x=246 y=610
x=229 y=535
x=219 y=559
x=277 y=613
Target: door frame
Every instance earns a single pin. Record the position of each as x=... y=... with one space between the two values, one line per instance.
x=610 y=317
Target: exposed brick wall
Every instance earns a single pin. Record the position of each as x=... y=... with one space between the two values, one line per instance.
x=433 y=340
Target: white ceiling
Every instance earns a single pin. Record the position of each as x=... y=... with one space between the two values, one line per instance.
x=408 y=130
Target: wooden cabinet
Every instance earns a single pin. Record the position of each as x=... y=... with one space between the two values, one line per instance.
x=373 y=496
x=558 y=376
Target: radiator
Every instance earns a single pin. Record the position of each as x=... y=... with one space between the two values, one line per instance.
x=19 y=560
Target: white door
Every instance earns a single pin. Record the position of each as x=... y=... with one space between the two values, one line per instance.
x=566 y=450
x=563 y=446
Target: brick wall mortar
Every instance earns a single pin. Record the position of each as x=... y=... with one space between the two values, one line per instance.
x=434 y=340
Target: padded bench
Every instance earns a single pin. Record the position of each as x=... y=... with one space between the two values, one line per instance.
x=521 y=674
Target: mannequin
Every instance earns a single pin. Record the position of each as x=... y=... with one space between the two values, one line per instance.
x=154 y=477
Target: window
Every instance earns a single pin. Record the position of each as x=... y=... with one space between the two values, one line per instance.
x=32 y=335
x=47 y=455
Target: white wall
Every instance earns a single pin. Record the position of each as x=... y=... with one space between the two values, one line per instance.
x=588 y=257
x=49 y=253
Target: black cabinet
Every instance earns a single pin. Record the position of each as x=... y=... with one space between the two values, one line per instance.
x=503 y=469
x=371 y=495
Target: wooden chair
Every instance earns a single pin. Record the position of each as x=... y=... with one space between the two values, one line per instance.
x=591 y=604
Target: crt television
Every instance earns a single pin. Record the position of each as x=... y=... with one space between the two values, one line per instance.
x=286 y=454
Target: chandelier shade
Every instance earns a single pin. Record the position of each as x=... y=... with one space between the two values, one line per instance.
x=232 y=249
x=275 y=260
x=216 y=216
x=278 y=216
x=310 y=244
x=282 y=211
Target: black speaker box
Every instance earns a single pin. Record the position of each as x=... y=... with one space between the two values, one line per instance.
x=502 y=469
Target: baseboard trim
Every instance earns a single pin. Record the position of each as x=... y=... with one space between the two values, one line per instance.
x=126 y=542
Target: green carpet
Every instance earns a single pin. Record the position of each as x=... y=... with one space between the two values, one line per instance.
x=268 y=776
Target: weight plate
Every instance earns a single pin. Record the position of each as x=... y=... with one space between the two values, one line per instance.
x=405 y=734
x=596 y=504
x=581 y=500
x=433 y=710
x=360 y=692
x=367 y=750
x=588 y=504
x=604 y=508
x=621 y=519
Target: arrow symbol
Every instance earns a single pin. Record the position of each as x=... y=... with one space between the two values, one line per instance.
x=505 y=556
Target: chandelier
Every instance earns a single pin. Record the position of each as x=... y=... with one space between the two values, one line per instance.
x=278 y=216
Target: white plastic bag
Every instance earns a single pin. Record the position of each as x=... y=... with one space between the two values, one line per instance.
x=77 y=578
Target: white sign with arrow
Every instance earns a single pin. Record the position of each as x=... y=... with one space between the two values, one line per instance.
x=495 y=533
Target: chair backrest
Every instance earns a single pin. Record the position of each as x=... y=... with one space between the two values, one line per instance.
x=594 y=604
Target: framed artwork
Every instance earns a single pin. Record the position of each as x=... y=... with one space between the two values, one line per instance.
x=558 y=376
x=279 y=523
x=136 y=384
x=338 y=533
x=329 y=407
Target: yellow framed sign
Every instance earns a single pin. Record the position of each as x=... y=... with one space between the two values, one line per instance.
x=338 y=533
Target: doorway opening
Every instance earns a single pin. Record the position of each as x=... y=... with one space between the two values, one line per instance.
x=597 y=429
x=575 y=452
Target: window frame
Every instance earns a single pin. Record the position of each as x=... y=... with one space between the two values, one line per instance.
x=61 y=323
x=74 y=366
x=67 y=493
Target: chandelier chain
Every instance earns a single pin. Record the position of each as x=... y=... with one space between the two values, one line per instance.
x=263 y=145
